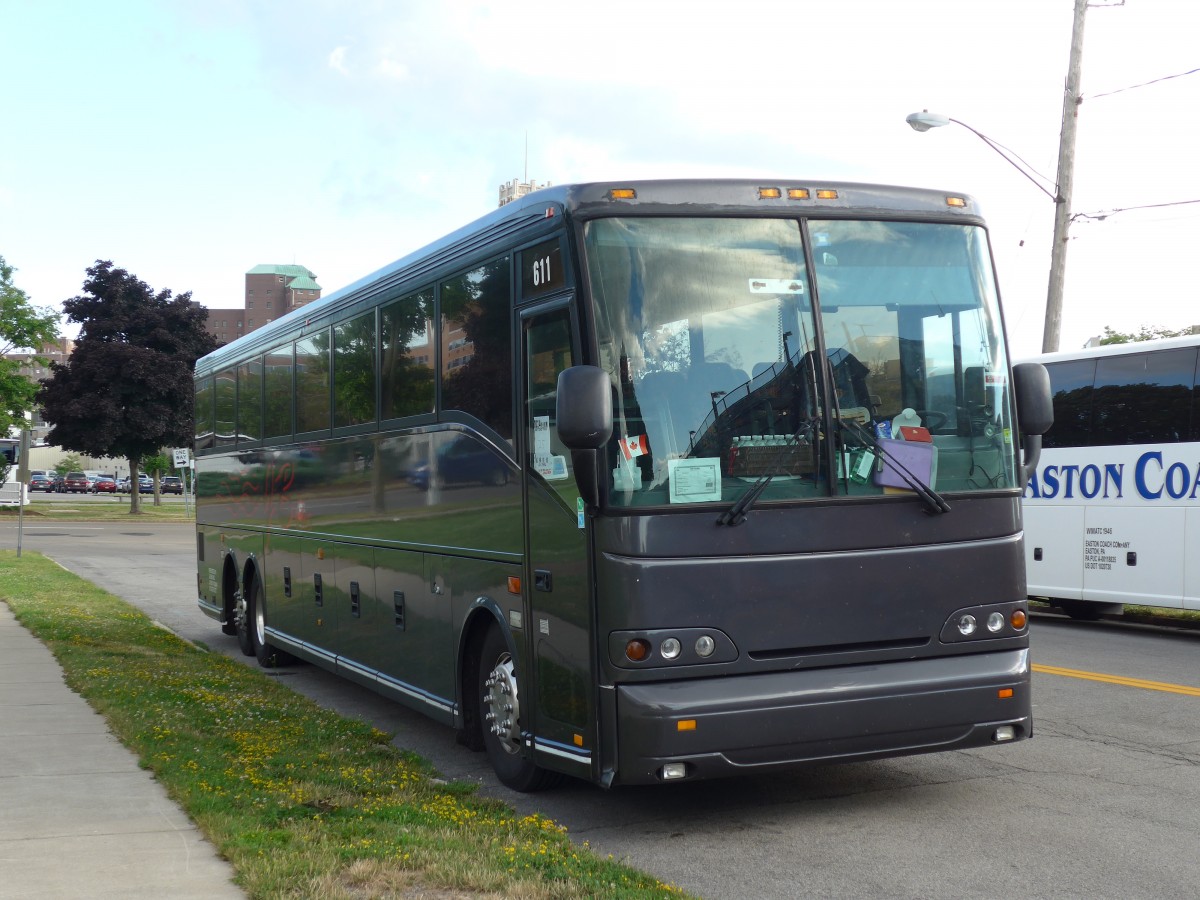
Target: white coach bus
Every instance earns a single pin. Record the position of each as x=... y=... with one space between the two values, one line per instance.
x=1112 y=514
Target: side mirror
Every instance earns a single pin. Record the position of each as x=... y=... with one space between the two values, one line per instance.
x=585 y=417
x=585 y=423
x=1035 y=412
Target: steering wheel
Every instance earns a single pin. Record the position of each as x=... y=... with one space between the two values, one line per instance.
x=933 y=419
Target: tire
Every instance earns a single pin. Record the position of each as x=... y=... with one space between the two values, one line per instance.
x=499 y=696
x=268 y=656
x=242 y=620
x=1081 y=610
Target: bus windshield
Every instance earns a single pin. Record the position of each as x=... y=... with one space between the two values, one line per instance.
x=709 y=330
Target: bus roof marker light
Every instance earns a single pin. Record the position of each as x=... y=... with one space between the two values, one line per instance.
x=798 y=194
x=827 y=194
x=622 y=194
x=956 y=201
x=769 y=193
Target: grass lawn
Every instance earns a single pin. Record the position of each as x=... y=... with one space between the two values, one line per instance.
x=302 y=802
x=101 y=509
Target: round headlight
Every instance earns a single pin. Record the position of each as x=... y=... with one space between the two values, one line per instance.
x=705 y=645
x=669 y=648
x=966 y=625
x=995 y=622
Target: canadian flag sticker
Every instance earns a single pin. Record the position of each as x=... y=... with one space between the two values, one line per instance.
x=633 y=446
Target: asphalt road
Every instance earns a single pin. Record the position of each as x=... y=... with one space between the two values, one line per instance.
x=1103 y=802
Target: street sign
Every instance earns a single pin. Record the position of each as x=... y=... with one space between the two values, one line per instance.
x=181 y=457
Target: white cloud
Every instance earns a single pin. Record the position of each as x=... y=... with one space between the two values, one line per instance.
x=389 y=68
x=337 y=60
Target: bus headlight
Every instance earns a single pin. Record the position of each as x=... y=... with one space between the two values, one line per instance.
x=705 y=646
x=995 y=622
x=966 y=625
x=669 y=648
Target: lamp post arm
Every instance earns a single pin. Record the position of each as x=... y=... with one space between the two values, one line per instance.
x=987 y=140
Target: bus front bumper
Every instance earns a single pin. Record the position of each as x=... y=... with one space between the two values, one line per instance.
x=759 y=723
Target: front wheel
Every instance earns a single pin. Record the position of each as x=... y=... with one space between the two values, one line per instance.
x=500 y=708
x=268 y=656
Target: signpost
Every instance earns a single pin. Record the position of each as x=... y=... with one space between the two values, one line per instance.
x=182 y=460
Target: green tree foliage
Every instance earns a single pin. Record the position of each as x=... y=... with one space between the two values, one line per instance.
x=69 y=463
x=127 y=389
x=22 y=327
x=1146 y=333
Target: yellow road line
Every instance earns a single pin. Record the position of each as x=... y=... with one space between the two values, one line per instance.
x=1118 y=679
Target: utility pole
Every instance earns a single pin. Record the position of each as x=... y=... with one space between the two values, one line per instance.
x=1066 y=178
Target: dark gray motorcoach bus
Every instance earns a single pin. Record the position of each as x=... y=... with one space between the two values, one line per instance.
x=644 y=482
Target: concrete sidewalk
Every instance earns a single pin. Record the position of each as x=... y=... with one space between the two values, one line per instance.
x=78 y=816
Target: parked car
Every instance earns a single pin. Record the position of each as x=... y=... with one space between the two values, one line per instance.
x=171 y=484
x=41 y=483
x=145 y=484
x=76 y=483
x=105 y=484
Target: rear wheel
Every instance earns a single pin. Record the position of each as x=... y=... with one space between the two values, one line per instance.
x=500 y=708
x=241 y=621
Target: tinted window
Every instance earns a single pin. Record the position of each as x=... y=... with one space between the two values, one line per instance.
x=249 y=404
x=407 y=356
x=226 y=407
x=204 y=413
x=1071 y=388
x=279 y=392
x=1143 y=398
x=354 y=371
x=477 y=345
x=312 y=383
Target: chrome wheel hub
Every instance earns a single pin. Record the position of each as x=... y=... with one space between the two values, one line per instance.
x=501 y=708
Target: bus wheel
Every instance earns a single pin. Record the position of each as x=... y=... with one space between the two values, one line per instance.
x=500 y=704
x=1081 y=610
x=241 y=618
x=268 y=656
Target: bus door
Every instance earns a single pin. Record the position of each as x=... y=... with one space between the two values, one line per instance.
x=558 y=618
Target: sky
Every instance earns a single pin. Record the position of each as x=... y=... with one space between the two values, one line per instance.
x=189 y=142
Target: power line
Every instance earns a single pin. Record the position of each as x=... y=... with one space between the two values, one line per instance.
x=1143 y=84
x=1101 y=216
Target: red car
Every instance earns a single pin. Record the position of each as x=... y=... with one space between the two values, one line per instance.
x=104 y=485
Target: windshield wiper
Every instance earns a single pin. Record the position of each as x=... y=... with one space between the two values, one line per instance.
x=736 y=514
x=935 y=503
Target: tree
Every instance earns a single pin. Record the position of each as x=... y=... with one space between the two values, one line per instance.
x=1147 y=333
x=22 y=327
x=126 y=390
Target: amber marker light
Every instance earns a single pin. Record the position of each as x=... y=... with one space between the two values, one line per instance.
x=956 y=201
x=622 y=194
x=685 y=725
x=578 y=738
x=798 y=193
x=514 y=584
x=769 y=193
x=1004 y=693
x=637 y=650
x=1017 y=619
x=827 y=195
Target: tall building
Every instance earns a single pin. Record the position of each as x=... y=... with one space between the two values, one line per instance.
x=271 y=291
x=515 y=190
